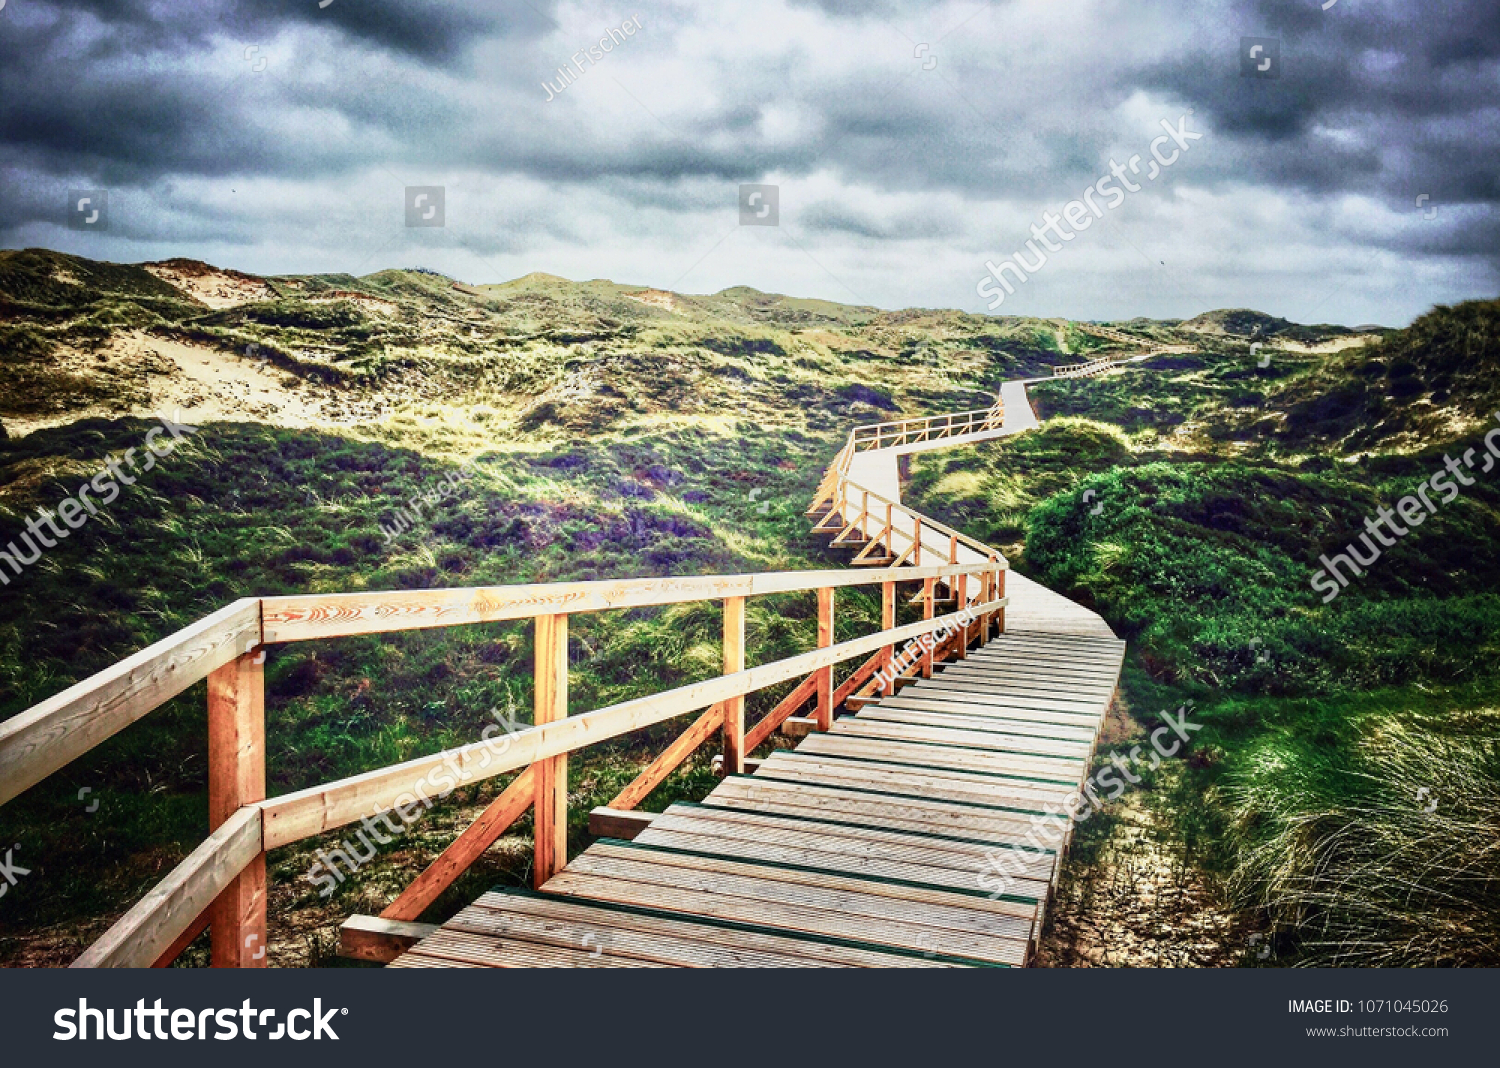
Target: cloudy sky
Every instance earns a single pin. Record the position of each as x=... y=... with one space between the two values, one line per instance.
x=909 y=142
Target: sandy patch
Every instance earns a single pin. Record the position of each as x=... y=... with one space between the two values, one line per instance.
x=657 y=298
x=196 y=384
x=1338 y=344
x=209 y=285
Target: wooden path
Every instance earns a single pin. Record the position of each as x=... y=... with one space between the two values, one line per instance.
x=868 y=845
x=861 y=847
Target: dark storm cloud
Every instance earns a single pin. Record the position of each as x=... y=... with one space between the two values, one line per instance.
x=1013 y=108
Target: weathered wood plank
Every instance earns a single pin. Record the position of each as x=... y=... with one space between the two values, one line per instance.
x=62 y=728
x=374 y=938
x=605 y=822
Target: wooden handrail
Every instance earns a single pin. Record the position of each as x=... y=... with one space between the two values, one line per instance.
x=221 y=884
x=59 y=730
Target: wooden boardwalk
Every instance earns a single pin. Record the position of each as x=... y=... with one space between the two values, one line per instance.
x=919 y=828
x=861 y=847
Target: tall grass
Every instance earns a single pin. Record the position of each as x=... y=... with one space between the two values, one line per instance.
x=1386 y=856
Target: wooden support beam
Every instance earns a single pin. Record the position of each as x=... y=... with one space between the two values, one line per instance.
x=551 y=785
x=752 y=765
x=824 y=716
x=237 y=778
x=852 y=683
x=606 y=822
x=734 y=708
x=379 y=940
x=681 y=748
x=798 y=726
x=805 y=691
x=929 y=593
x=961 y=594
x=888 y=622
x=187 y=938
x=464 y=850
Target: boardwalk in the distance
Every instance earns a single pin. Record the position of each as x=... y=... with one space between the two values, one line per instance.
x=869 y=845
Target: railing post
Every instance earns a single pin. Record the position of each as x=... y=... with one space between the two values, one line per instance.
x=237 y=777
x=734 y=708
x=916 y=549
x=890 y=533
x=1000 y=596
x=551 y=705
x=960 y=601
x=888 y=622
x=929 y=593
x=986 y=588
x=825 y=675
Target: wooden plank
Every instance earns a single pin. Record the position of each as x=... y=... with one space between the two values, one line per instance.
x=304 y=813
x=734 y=707
x=681 y=748
x=607 y=822
x=714 y=879
x=894 y=780
x=464 y=850
x=1006 y=738
x=236 y=778
x=448 y=948
x=805 y=854
x=860 y=895
x=579 y=915
x=802 y=917
x=169 y=956
x=935 y=693
x=1003 y=725
x=798 y=726
x=374 y=938
x=305 y=617
x=550 y=785
x=154 y=923
x=947 y=758
x=608 y=942
x=49 y=735
x=830 y=835
x=832 y=801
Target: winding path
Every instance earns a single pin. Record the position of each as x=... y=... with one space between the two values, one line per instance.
x=922 y=829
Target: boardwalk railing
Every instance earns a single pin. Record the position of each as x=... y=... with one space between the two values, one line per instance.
x=222 y=883
x=1086 y=370
x=933 y=428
